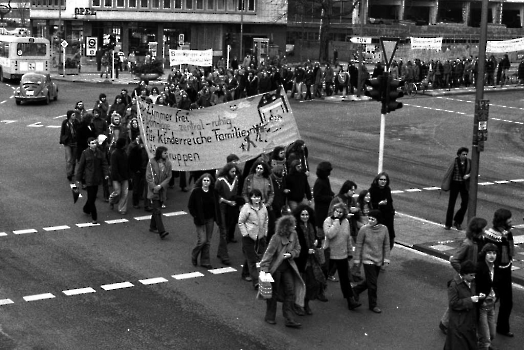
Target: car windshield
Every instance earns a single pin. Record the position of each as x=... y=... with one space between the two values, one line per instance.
x=30 y=49
x=32 y=79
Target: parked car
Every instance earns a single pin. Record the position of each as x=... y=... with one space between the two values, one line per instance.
x=36 y=87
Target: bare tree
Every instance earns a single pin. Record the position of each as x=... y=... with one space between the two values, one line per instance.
x=321 y=10
x=22 y=10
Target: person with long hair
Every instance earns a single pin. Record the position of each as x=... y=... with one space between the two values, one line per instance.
x=468 y=250
x=381 y=199
x=278 y=260
x=363 y=206
x=158 y=174
x=336 y=229
x=253 y=222
x=226 y=186
x=485 y=279
x=500 y=234
x=203 y=207
x=456 y=181
x=307 y=263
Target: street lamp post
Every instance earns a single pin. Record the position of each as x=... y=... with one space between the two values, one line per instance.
x=241 y=29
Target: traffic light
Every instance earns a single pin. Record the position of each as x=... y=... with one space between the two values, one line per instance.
x=228 y=37
x=233 y=38
x=377 y=85
x=393 y=91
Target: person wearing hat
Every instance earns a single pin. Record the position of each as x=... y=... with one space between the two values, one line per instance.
x=372 y=251
x=485 y=278
x=462 y=297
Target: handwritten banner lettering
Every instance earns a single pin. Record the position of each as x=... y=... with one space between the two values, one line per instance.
x=202 y=139
x=203 y=58
x=426 y=43
x=504 y=46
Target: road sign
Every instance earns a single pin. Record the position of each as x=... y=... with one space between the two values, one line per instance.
x=360 y=40
x=91 y=45
x=389 y=46
x=64 y=44
x=181 y=39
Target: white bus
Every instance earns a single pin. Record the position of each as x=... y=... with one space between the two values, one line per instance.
x=23 y=54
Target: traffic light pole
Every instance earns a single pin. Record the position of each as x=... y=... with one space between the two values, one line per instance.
x=383 y=111
x=475 y=151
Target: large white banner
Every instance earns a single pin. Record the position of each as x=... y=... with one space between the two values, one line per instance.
x=201 y=139
x=426 y=43
x=504 y=46
x=202 y=58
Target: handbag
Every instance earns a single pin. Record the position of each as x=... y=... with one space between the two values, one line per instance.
x=265 y=290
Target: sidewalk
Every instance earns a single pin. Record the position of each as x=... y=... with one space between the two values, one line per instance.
x=431 y=238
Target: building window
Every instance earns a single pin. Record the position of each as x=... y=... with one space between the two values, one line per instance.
x=178 y=4
x=210 y=4
x=155 y=4
x=189 y=4
x=232 y=5
x=120 y=3
x=132 y=3
x=107 y=3
x=96 y=3
x=250 y=5
x=221 y=5
x=144 y=3
x=167 y=4
x=199 y=4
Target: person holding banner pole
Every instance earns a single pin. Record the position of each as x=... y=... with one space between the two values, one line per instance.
x=158 y=174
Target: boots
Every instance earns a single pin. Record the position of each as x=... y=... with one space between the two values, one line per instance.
x=298 y=310
x=353 y=304
x=307 y=309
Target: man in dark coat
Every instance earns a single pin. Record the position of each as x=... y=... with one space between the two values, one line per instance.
x=456 y=181
x=119 y=176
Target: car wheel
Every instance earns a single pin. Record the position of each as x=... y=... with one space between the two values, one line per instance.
x=2 y=79
x=18 y=102
x=56 y=96
x=47 y=99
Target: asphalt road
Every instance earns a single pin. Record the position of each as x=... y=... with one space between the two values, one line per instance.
x=117 y=286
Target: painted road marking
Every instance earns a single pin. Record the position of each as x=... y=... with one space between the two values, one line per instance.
x=54 y=126
x=501 y=182
x=414 y=190
x=433 y=188
x=116 y=221
x=87 y=224
x=21 y=232
x=39 y=297
x=184 y=276
x=397 y=191
x=140 y=218
x=153 y=280
x=56 y=228
x=3 y=234
x=175 y=213
x=120 y=285
x=7 y=121
x=222 y=270
x=35 y=125
x=79 y=291
x=6 y=302
x=486 y=183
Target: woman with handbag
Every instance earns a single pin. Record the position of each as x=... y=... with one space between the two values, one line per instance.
x=253 y=222
x=278 y=260
x=307 y=262
x=336 y=229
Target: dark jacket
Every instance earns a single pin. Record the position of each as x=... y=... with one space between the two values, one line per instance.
x=322 y=192
x=92 y=166
x=299 y=187
x=483 y=279
x=68 y=136
x=196 y=206
x=119 y=165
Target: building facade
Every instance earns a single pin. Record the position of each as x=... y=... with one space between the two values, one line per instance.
x=159 y=25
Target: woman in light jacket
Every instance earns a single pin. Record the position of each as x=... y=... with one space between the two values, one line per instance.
x=278 y=260
x=253 y=222
x=336 y=229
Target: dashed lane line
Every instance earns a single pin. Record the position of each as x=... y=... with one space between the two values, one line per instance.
x=154 y=280
x=78 y=291
x=39 y=297
x=185 y=276
x=90 y=224
x=114 y=286
x=6 y=302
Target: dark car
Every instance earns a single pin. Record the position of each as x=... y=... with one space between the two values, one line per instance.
x=36 y=87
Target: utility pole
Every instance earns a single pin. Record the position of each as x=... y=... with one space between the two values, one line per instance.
x=360 y=55
x=478 y=145
x=241 y=56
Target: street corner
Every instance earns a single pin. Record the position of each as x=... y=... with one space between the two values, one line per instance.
x=443 y=249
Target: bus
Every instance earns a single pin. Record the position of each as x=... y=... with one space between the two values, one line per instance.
x=23 y=54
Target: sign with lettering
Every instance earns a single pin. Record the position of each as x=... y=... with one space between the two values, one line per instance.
x=84 y=11
x=91 y=45
x=202 y=139
x=203 y=58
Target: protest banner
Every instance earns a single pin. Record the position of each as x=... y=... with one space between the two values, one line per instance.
x=201 y=139
x=426 y=43
x=203 y=58
x=504 y=46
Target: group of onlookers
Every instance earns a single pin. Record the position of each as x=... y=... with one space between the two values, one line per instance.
x=483 y=264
